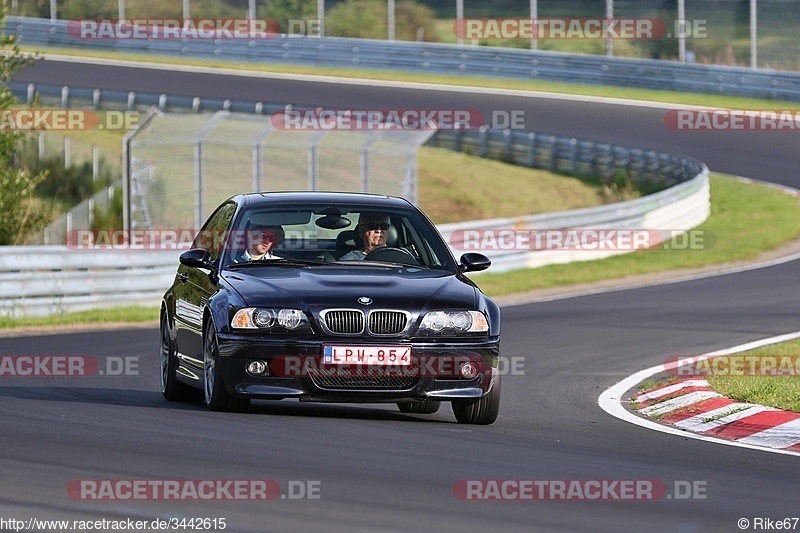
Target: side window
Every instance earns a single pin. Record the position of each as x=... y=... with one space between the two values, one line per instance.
x=214 y=234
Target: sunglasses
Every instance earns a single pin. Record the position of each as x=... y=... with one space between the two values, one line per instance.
x=372 y=226
x=268 y=236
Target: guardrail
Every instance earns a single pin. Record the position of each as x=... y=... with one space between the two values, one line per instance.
x=41 y=280
x=440 y=59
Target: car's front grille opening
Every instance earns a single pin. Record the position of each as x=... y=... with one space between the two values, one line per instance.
x=376 y=378
x=387 y=322
x=343 y=321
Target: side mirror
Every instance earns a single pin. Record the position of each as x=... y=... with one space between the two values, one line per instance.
x=474 y=262
x=197 y=258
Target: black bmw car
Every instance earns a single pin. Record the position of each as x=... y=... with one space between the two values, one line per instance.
x=329 y=297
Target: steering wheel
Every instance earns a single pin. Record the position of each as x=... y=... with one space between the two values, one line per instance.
x=391 y=254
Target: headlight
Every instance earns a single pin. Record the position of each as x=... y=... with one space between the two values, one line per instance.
x=268 y=318
x=453 y=322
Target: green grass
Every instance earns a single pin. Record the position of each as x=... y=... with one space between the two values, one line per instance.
x=708 y=100
x=782 y=392
x=93 y=316
x=483 y=188
x=746 y=219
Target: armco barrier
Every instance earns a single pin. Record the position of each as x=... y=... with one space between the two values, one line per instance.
x=49 y=279
x=39 y=280
x=440 y=59
x=678 y=208
x=42 y=280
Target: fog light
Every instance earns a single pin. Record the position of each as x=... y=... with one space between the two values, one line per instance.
x=469 y=370
x=256 y=368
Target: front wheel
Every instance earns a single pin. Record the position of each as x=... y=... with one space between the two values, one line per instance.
x=483 y=411
x=172 y=389
x=216 y=397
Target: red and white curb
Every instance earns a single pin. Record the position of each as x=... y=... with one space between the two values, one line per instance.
x=694 y=406
x=690 y=408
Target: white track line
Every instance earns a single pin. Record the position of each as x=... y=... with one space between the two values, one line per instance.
x=611 y=400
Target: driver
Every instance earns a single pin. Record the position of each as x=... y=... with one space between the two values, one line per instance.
x=374 y=230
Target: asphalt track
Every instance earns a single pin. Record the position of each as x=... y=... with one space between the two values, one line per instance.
x=382 y=470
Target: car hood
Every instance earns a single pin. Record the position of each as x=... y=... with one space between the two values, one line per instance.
x=316 y=288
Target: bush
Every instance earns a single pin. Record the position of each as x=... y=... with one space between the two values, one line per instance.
x=19 y=213
x=368 y=19
x=67 y=186
x=282 y=11
x=110 y=219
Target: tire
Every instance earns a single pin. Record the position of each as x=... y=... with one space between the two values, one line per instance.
x=172 y=389
x=425 y=407
x=216 y=397
x=483 y=411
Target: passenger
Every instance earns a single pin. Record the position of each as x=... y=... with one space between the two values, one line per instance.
x=260 y=242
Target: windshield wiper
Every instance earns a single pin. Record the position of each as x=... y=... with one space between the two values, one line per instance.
x=276 y=262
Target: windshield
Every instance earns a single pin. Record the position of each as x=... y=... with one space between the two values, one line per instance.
x=343 y=235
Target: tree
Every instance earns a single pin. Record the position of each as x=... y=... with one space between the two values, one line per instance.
x=19 y=213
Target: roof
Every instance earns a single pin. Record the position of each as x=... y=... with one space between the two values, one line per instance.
x=322 y=197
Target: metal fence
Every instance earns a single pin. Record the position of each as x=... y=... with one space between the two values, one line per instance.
x=721 y=32
x=67 y=151
x=182 y=166
x=442 y=59
x=80 y=217
x=51 y=279
x=44 y=280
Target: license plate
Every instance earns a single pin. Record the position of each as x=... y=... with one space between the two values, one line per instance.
x=367 y=355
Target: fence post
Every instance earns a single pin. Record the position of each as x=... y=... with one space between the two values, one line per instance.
x=257 y=167
x=198 y=184
x=573 y=156
x=409 y=183
x=95 y=162
x=553 y=154
x=363 y=164
x=457 y=136
x=67 y=150
x=531 y=149
x=41 y=146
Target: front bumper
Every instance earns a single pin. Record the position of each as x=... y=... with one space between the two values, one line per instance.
x=296 y=370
